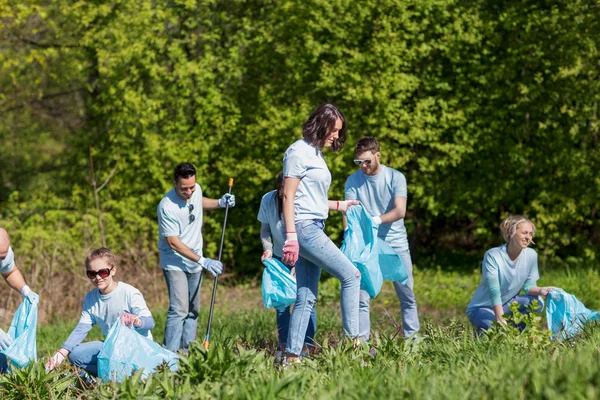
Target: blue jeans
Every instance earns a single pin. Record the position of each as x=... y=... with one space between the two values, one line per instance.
x=184 y=308
x=85 y=356
x=408 y=303
x=483 y=317
x=318 y=251
x=283 y=323
x=3 y=364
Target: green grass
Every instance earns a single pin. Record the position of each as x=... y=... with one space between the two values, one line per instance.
x=446 y=362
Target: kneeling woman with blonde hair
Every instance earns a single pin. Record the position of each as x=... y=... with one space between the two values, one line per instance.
x=505 y=271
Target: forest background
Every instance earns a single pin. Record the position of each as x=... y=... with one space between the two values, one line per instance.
x=488 y=108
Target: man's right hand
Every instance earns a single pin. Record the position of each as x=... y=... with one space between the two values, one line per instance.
x=5 y=340
x=215 y=267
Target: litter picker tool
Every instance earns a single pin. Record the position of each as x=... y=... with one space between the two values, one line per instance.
x=206 y=343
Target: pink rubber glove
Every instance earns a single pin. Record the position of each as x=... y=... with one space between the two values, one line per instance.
x=291 y=249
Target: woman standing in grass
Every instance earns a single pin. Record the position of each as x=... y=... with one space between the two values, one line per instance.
x=272 y=238
x=305 y=209
x=505 y=271
x=107 y=304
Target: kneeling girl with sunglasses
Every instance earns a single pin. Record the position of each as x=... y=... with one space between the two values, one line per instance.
x=108 y=303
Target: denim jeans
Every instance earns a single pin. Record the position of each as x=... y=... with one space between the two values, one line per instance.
x=318 y=251
x=408 y=303
x=85 y=356
x=184 y=308
x=483 y=317
x=3 y=364
x=283 y=323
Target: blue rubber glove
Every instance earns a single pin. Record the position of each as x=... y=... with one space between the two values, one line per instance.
x=5 y=340
x=215 y=267
x=30 y=295
x=227 y=199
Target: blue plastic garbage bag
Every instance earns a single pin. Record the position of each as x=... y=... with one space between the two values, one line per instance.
x=125 y=351
x=566 y=315
x=392 y=267
x=22 y=331
x=278 y=285
x=362 y=248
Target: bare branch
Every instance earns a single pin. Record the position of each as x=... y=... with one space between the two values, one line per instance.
x=108 y=179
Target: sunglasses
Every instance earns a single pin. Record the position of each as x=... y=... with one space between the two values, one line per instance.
x=360 y=162
x=102 y=273
x=192 y=216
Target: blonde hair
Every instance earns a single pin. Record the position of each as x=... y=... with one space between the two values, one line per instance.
x=104 y=253
x=508 y=227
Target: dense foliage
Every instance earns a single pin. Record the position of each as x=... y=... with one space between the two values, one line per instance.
x=488 y=108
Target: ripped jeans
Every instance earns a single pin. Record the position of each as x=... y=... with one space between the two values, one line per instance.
x=318 y=251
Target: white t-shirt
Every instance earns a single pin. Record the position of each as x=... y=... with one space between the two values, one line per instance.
x=268 y=215
x=106 y=309
x=377 y=194
x=305 y=162
x=512 y=276
x=174 y=220
x=8 y=264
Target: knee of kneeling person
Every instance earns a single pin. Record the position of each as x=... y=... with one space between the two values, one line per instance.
x=540 y=304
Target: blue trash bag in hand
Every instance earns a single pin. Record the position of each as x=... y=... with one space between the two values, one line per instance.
x=566 y=315
x=22 y=331
x=125 y=351
x=278 y=285
x=362 y=248
x=392 y=267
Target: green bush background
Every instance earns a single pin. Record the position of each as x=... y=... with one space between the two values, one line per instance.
x=487 y=107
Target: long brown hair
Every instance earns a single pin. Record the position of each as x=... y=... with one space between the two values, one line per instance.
x=321 y=122
x=280 y=181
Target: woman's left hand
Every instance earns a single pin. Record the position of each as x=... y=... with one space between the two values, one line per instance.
x=344 y=205
x=131 y=320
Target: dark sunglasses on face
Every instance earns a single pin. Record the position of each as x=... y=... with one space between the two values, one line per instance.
x=366 y=162
x=102 y=273
x=192 y=216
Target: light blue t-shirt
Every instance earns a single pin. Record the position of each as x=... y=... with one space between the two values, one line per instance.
x=106 y=309
x=174 y=220
x=305 y=162
x=268 y=215
x=8 y=264
x=499 y=271
x=377 y=194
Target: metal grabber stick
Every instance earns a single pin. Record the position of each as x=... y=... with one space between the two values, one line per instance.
x=206 y=343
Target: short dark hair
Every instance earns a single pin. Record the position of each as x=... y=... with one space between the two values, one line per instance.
x=184 y=170
x=321 y=122
x=366 y=144
x=103 y=253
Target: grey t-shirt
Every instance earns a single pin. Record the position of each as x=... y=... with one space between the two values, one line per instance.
x=268 y=215
x=305 y=162
x=377 y=194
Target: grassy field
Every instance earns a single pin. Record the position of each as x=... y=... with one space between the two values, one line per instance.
x=446 y=362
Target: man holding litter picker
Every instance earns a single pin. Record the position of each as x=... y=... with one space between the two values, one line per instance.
x=180 y=247
x=382 y=192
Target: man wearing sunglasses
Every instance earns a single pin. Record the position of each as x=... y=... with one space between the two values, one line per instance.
x=180 y=247
x=15 y=280
x=382 y=192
